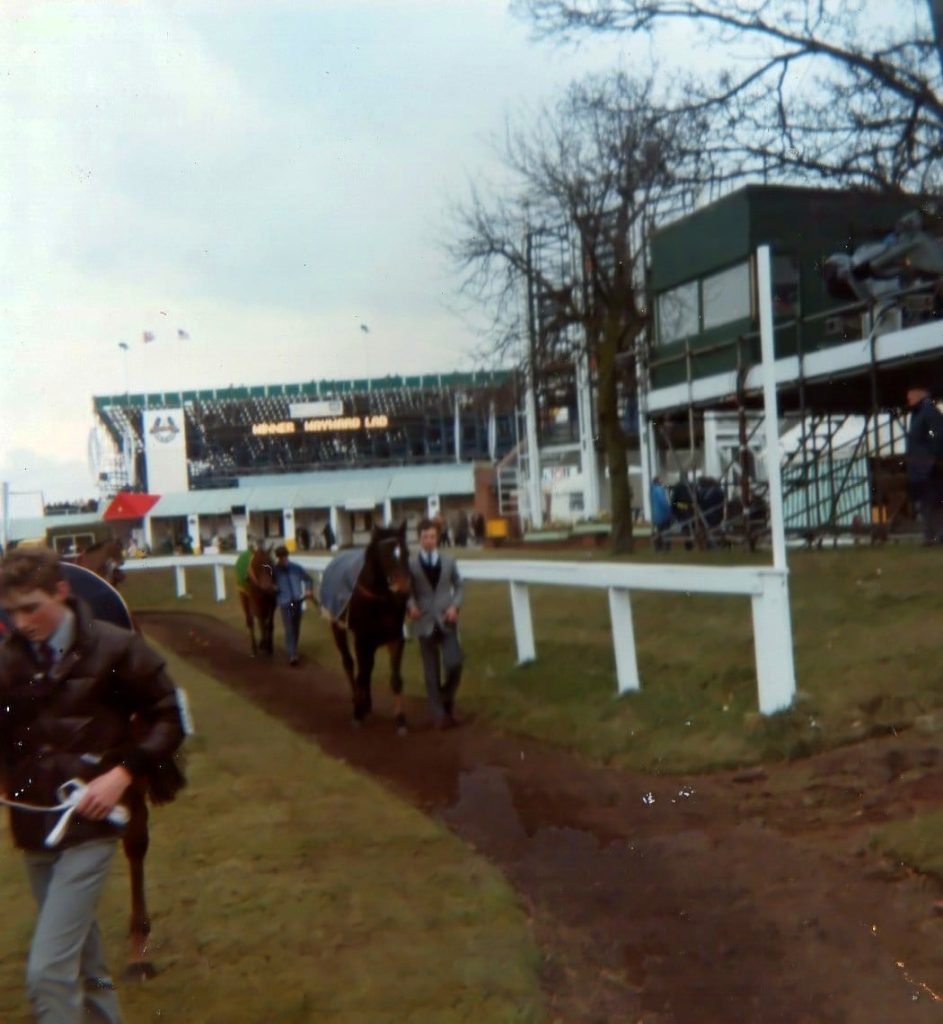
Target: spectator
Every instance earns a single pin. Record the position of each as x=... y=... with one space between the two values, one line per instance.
x=70 y=687
x=294 y=585
x=661 y=515
x=437 y=593
x=925 y=461
x=478 y=527
x=461 y=529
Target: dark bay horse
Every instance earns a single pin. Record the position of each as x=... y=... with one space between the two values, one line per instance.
x=256 y=584
x=364 y=592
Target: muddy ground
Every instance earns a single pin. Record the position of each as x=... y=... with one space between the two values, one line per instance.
x=742 y=898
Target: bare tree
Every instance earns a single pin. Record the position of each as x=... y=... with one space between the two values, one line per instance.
x=593 y=176
x=815 y=89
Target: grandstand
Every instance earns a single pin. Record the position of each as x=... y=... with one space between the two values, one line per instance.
x=239 y=432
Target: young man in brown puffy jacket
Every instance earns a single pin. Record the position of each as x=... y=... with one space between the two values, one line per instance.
x=69 y=688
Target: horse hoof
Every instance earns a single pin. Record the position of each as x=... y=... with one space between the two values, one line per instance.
x=142 y=971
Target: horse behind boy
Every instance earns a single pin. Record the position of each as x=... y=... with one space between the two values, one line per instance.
x=364 y=592
x=103 y=558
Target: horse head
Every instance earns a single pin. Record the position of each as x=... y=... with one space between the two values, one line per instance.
x=386 y=561
x=261 y=569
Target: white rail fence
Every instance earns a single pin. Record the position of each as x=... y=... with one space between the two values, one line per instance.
x=767 y=588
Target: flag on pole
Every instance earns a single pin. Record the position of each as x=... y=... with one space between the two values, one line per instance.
x=182 y=334
x=123 y=345
x=148 y=336
x=365 y=328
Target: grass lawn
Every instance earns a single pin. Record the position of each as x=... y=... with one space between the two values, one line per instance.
x=866 y=633
x=285 y=887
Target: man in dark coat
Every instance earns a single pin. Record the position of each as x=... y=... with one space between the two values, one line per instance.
x=69 y=688
x=925 y=462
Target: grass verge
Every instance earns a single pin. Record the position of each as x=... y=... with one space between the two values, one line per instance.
x=916 y=843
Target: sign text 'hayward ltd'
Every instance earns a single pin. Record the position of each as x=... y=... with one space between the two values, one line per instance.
x=321 y=426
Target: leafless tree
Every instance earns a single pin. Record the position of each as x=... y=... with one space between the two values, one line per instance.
x=559 y=261
x=844 y=90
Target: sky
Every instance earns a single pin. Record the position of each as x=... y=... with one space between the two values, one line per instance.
x=264 y=176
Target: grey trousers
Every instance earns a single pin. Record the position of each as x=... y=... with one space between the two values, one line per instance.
x=441 y=696
x=66 y=977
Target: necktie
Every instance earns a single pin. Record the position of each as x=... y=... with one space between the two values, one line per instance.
x=45 y=657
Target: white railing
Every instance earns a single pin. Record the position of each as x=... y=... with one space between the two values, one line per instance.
x=766 y=586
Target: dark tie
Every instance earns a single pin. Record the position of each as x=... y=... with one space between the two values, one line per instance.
x=45 y=657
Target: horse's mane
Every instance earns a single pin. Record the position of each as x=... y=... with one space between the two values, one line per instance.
x=100 y=545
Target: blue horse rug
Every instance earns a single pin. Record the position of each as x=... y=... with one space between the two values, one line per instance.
x=338 y=582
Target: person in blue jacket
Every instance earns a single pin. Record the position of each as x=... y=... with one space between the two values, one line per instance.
x=661 y=514
x=294 y=585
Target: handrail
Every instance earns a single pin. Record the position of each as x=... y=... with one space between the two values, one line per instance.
x=767 y=588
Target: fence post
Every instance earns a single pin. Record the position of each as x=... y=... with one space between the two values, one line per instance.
x=180 y=575
x=623 y=640
x=772 y=639
x=219 y=578
x=523 y=624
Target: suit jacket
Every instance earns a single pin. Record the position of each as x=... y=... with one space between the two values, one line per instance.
x=433 y=604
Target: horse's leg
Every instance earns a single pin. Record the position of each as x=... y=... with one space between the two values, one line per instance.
x=250 y=621
x=267 y=624
x=396 y=648
x=340 y=641
x=136 y=840
x=366 y=654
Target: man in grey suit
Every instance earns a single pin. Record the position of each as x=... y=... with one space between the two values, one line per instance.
x=433 y=608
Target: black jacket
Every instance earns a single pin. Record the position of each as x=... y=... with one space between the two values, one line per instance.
x=108 y=701
x=924 y=442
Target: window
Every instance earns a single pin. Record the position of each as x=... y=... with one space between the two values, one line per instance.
x=576 y=501
x=677 y=313
x=727 y=296
x=785 y=285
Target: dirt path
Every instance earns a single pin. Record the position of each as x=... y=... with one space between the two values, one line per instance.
x=747 y=898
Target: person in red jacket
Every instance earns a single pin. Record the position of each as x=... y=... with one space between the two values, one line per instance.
x=70 y=686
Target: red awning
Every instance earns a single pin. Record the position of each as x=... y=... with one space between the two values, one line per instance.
x=128 y=505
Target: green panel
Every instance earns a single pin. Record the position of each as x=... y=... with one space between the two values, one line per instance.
x=701 y=243
x=191 y=396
